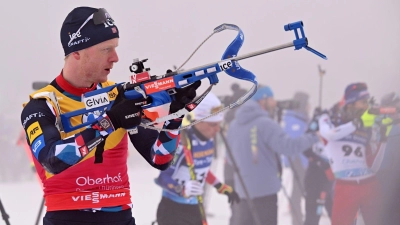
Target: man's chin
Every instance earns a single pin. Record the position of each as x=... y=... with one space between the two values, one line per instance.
x=103 y=78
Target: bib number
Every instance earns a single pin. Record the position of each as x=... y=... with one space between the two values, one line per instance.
x=349 y=150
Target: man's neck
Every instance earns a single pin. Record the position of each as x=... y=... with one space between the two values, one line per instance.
x=199 y=134
x=71 y=88
x=74 y=77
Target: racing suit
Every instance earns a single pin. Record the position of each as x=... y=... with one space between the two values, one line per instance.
x=174 y=208
x=85 y=171
x=350 y=158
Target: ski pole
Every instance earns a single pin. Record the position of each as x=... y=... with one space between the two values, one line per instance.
x=249 y=201
x=296 y=213
x=4 y=214
x=296 y=177
x=40 y=212
x=321 y=75
x=187 y=149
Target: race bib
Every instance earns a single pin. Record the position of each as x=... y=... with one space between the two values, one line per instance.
x=182 y=174
x=348 y=159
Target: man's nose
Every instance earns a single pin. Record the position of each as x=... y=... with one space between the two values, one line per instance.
x=114 y=57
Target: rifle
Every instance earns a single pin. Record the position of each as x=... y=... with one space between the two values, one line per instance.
x=151 y=91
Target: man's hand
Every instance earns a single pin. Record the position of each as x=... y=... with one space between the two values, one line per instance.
x=183 y=96
x=192 y=188
x=228 y=190
x=124 y=113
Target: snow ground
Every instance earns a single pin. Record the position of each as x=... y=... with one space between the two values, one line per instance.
x=22 y=199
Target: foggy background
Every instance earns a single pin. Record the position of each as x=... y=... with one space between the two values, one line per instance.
x=361 y=39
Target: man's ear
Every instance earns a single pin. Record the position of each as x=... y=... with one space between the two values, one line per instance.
x=76 y=55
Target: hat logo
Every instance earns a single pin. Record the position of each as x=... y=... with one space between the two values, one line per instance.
x=86 y=39
x=109 y=22
x=74 y=35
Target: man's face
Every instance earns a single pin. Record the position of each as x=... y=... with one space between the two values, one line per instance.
x=268 y=104
x=358 y=108
x=98 y=60
x=361 y=104
x=208 y=129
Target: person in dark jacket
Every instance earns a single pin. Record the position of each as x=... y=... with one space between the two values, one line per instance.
x=295 y=122
x=388 y=174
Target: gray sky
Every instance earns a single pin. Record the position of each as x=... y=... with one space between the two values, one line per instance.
x=360 y=38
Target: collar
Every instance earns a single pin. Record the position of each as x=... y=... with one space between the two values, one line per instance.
x=66 y=86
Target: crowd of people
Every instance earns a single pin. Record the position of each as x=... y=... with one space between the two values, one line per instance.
x=343 y=159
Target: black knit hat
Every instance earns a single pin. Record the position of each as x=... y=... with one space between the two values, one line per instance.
x=96 y=30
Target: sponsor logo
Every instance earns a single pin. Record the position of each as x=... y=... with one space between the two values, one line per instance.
x=132 y=115
x=203 y=161
x=33 y=115
x=96 y=101
x=33 y=131
x=191 y=106
x=204 y=153
x=224 y=65
x=37 y=145
x=92 y=144
x=237 y=65
x=200 y=99
x=109 y=22
x=80 y=41
x=95 y=197
x=74 y=35
x=83 y=181
x=112 y=95
x=141 y=103
x=83 y=150
x=159 y=85
x=140 y=77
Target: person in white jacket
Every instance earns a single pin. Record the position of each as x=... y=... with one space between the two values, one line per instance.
x=347 y=146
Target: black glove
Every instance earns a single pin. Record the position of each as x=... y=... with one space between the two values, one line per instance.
x=124 y=113
x=358 y=123
x=183 y=96
x=228 y=191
